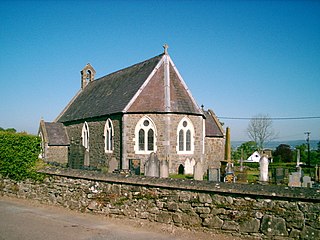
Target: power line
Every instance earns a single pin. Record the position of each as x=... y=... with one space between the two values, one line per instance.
x=272 y=118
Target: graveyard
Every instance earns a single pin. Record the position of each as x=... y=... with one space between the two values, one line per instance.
x=248 y=200
x=284 y=174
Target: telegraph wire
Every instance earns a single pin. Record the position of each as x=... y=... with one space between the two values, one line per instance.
x=272 y=118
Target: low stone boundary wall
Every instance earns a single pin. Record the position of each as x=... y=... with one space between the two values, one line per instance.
x=260 y=211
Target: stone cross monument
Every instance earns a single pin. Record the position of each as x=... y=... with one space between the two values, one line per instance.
x=228 y=173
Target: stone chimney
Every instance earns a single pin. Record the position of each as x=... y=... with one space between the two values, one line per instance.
x=87 y=75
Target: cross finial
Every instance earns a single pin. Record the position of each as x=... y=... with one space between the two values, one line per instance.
x=166 y=46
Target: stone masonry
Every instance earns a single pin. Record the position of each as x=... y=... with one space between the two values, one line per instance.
x=249 y=211
x=57 y=154
x=98 y=158
x=214 y=152
x=160 y=122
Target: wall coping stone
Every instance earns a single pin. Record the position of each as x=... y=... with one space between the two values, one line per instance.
x=257 y=190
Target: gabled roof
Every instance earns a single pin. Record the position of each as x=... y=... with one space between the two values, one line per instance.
x=213 y=126
x=152 y=96
x=54 y=133
x=109 y=94
x=139 y=88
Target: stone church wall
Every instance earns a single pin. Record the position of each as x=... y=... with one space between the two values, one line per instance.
x=97 y=155
x=247 y=211
x=215 y=148
x=162 y=126
x=57 y=154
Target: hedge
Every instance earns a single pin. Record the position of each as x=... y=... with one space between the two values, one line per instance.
x=19 y=155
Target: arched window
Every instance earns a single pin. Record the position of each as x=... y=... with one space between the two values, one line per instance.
x=108 y=136
x=181 y=140
x=188 y=140
x=145 y=136
x=185 y=136
x=85 y=136
x=150 y=140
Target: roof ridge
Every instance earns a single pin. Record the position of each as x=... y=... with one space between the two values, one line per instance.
x=131 y=66
x=114 y=90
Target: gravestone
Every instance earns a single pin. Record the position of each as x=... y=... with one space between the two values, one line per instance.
x=189 y=166
x=134 y=166
x=214 y=174
x=306 y=182
x=264 y=169
x=86 y=162
x=317 y=173
x=164 y=168
x=198 y=171
x=279 y=175
x=152 y=166
x=286 y=175
x=112 y=165
x=298 y=158
x=229 y=173
x=76 y=157
x=241 y=163
x=242 y=177
x=295 y=179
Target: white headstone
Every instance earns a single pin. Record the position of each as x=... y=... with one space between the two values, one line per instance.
x=295 y=179
x=189 y=166
x=198 y=171
x=164 y=169
x=152 y=166
x=264 y=169
x=306 y=182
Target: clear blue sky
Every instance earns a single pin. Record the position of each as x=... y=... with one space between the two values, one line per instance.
x=239 y=58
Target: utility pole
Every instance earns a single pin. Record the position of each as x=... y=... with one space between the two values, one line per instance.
x=308 y=143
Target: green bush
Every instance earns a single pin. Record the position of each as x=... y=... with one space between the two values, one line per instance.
x=251 y=164
x=19 y=156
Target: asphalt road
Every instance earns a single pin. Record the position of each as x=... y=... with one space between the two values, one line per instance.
x=26 y=220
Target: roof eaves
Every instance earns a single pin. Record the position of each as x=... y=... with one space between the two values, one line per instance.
x=66 y=108
x=43 y=129
x=216 y=121
x=185 y=85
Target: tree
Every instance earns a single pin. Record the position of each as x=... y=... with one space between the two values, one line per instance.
x=246 y=149
x=318 y=154
x=11 y=130
x=283 y=153
x=260 y=130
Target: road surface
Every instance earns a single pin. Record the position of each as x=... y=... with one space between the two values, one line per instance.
x=29 y=220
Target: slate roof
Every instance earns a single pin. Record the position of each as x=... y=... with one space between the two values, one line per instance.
x=111 y=93
x=56 y=134
x=213 y=126
x=152 y=97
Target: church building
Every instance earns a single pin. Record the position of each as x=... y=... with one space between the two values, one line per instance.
x=129 y=114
